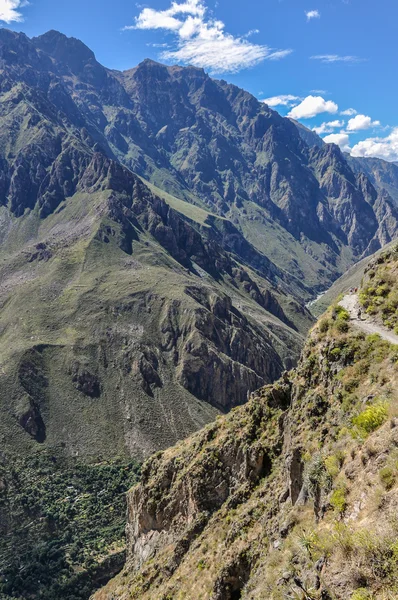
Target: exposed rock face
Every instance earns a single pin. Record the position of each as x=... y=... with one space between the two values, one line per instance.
x=158 y=518
x=383 y=174
x=33 y=383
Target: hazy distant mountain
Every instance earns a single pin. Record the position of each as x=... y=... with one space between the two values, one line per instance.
x=310 y=137
x=383 y=174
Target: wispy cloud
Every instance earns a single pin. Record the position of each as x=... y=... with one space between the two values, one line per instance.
x=333 y=58
x=312 y=106
x=251 y=32
x=9 y=10
x=152 y=45
x=312 y=14
x=202 y=41
x=283 y=100
x=349 y=112
x=361 y=122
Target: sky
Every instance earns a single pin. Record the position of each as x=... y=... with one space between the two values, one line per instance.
x=331 y=64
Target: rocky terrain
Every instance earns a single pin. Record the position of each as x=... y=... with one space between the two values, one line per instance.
x=293 y=495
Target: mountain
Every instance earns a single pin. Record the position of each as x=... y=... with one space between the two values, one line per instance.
x=292 y=495
x=160 y=231
x=308 y=135
x=382 y=174
x=214 y=145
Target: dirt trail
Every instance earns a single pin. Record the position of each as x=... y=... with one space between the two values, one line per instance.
x=368 y=325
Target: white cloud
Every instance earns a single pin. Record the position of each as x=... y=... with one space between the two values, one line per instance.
x=312 y=14
x=251 y=32
x=361 y=122
x=312 y=106
x=386 y=148
x=332 y=58
x=349 y=112
x=166 y=19
x=328 y=127
x=202 y=41
x=283 y=100
x=9 y=10
x=341 y=139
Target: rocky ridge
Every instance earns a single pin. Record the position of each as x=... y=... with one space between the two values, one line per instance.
x=293 y=494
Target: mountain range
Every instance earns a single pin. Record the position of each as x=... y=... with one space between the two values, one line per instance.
x=160 y=234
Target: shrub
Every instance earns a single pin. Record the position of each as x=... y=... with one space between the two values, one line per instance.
x=333 y=464
x=387 y=477
x=342 y=313
x=324 y=325
x=362 y=594
x=201 y=565
x=317 y=476
x=308 y=541
x=342 y=326
x=336 y=353
x=338 y=499
x=371 y=418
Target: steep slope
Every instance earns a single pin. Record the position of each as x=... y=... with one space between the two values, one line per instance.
x=293 y=495
x=308 y=135
x=61 y=525
x=121 y=317
x=378 y=295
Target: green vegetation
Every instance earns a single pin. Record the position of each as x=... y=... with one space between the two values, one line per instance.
x=330 y=429
x=62 y=525
x=362 y=594
x=333 y=464
x=338 y=500
x=371 y=418
x=387 y=477
x=351 y=279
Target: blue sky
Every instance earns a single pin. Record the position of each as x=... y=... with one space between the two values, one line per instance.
x=314 y=59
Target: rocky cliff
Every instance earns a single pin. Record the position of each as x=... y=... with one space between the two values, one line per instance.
x=292 y=495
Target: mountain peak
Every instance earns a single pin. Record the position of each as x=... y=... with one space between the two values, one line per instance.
x=68 y=50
